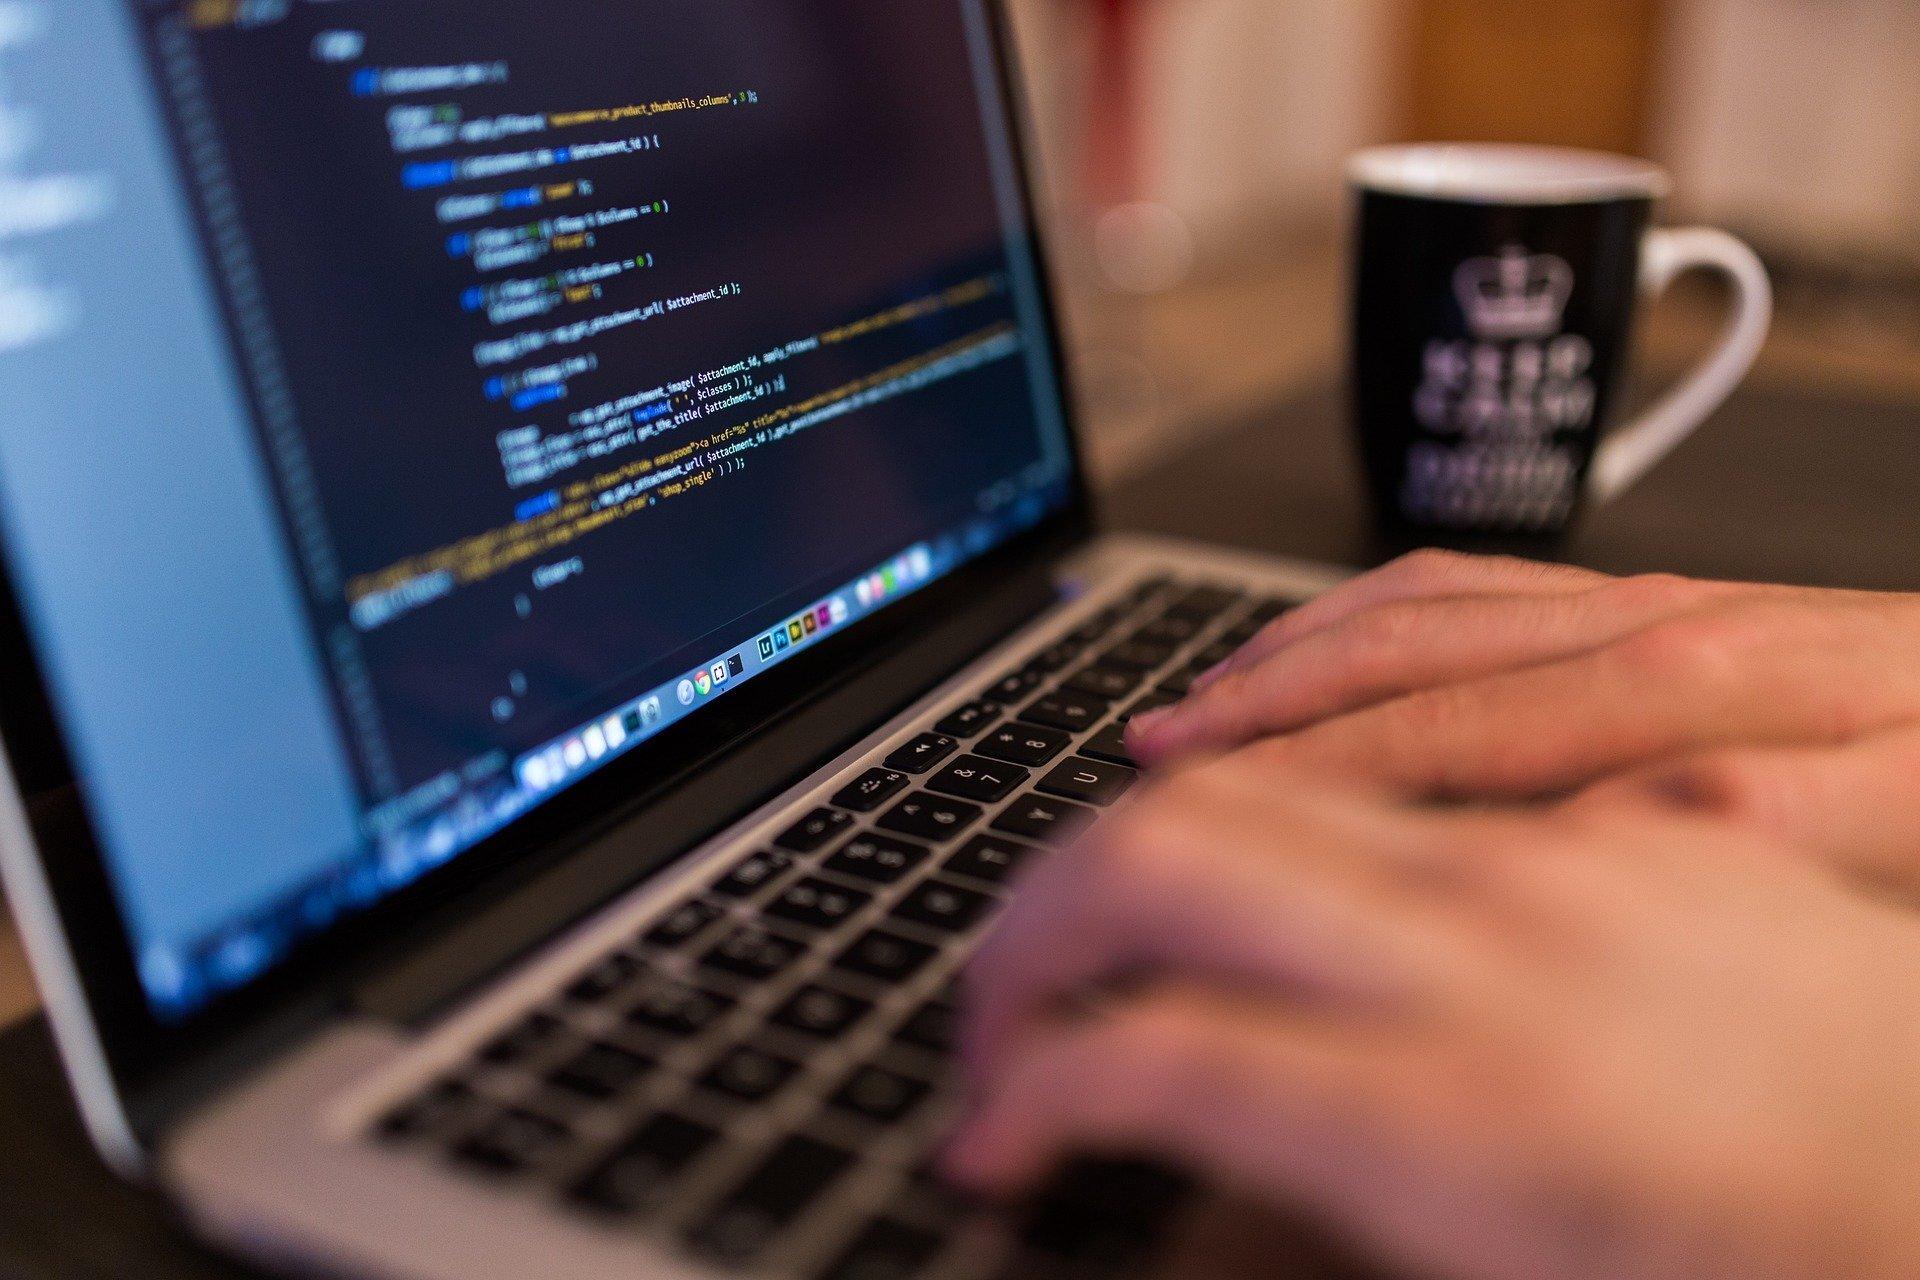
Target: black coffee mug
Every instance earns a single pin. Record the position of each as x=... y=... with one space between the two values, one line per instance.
x=1495 y=292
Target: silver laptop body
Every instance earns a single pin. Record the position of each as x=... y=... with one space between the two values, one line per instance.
x=549 y=593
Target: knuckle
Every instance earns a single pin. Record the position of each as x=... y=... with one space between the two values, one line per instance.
x=1432 y=715
x=1421 y=741
x=1229 y=697
x=1695 y=647
x=1651 y=590
x=1384 y=627
x=1428 y=565
x=1369 y=645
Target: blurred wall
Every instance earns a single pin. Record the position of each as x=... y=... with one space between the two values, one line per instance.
x=1250 y=105
x=1798 y=120
x=1262 y=102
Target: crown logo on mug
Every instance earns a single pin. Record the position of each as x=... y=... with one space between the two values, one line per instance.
x=1514 y=297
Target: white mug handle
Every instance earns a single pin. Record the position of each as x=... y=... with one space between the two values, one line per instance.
x=1635 y=449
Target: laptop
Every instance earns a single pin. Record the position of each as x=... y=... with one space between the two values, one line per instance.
x=550 y=592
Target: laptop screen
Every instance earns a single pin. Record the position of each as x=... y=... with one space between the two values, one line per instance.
x=412 y=406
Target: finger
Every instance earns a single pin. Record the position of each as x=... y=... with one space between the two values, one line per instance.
x=1688 y=685
x=1399 y=648
x=1528 y=581
x=1258 y=1098
x=1857 y=806
x=1229 y=873
x=1424 y=575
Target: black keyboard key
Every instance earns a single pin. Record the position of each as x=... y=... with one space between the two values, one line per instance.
x=970 y=719
x=936 y=905
x=931 y=1027
x=1057 y=657
x=928 y=1179
x=636 y=1174
x=875 y=1093
x=515 y=1141
x=1148 y=588
x=1110 y=745
x=749 y=1074
x=1267 y=610
x=1012 y=688
x=683 y=924
x=881 y=859
x=990 y=858
x=885 y=957
x=754 y=873
x=1179 y=684
x=1089 y=781
x=1212 y=656
x=676 y=1009
x=600 y=1071
x=931 y=817
x=974 y=778
x=1152 y=702
x=871 y=790
x=1074 y=712
x=1238 y=637
x=817 y=904
x=1043 y=818
x=1138 y=655
x=535 y=1033
x=605 y=978
x=1098 y=627
x=924 y=752
x=1026 y=744
x=821 y=1011
x=814 y=831
x=432 y=1114
x=1207 y=602
x=1036 y=672
x=1171 y=628
x=885 y=1250
x=778 y=1191
x=1104 y=682
x=754 y=953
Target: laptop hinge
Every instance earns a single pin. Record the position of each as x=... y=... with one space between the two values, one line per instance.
x=490 y=937
x=480 y=938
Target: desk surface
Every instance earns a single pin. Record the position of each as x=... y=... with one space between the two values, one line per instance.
x=1818 y=487
x=1785 y=485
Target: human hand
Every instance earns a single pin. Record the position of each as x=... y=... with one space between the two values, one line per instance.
x=1593 y=1042
x=1469 y=677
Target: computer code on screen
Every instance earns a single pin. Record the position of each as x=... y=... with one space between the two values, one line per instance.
x=581 y=333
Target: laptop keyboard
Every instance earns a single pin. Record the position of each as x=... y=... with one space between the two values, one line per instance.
x=764 y=1073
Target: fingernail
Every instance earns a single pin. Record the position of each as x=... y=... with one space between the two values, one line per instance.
x=1211 y=675
x=1149 y=723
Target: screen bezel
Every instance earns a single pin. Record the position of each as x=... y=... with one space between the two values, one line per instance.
x=143 y=1052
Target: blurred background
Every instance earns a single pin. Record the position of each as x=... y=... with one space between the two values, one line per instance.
x=1194 y=151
